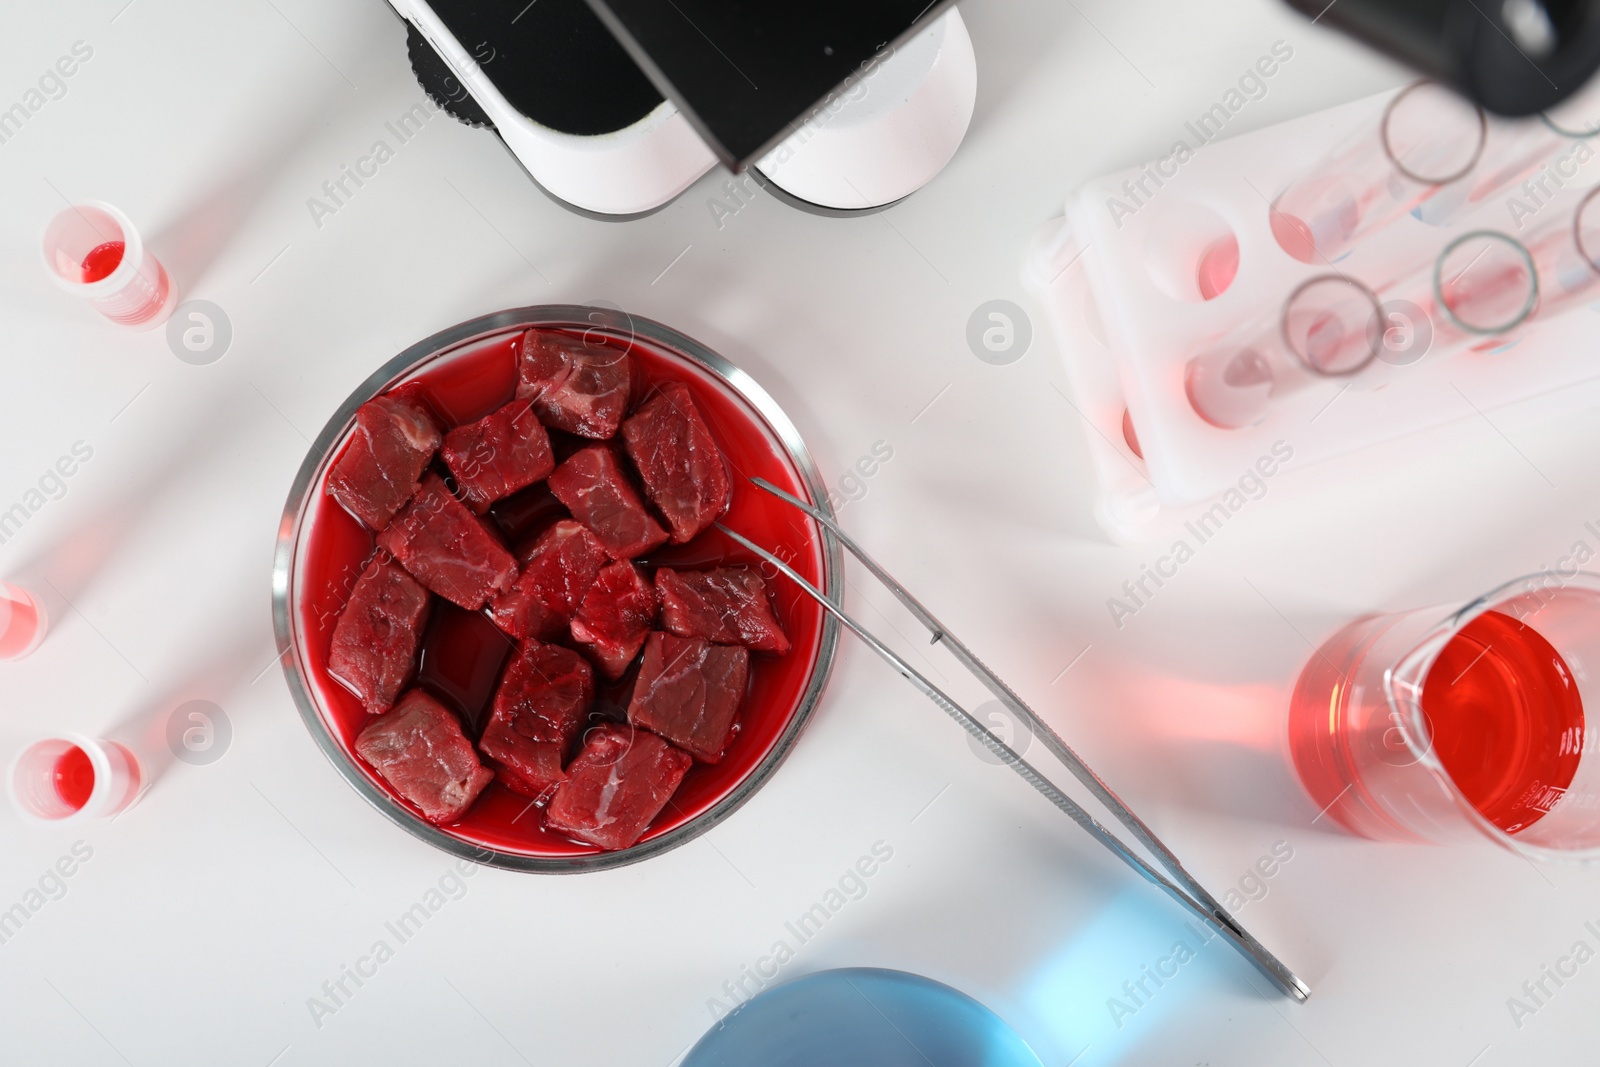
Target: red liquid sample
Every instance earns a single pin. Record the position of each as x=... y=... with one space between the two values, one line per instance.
x=526 y=514
x=1128 y=435
x=101 y=261
x=1219 y=263
x=1506 y=719
x=20 y=628
x=470 y=383
x=1488 y=293
x=462 y=656
x=74 y=776
x=1294 y=236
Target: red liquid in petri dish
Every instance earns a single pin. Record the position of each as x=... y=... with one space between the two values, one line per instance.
x=1507 y=719
x=467 y=384
x=74 y=777
x=463 y=654
x=102 y=260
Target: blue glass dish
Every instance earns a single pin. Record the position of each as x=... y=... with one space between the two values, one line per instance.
x=861 y=1017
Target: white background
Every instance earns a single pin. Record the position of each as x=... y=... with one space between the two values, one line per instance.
x=211 y=912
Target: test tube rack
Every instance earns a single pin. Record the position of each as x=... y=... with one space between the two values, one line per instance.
x=1118 y=273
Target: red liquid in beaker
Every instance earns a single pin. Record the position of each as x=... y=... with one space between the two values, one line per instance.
x=1507 y=719
x=74 y=777
x=101 y=260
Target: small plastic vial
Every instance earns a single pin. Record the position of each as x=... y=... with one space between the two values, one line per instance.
x=93 y=251
x=22 y=622
x=74 y=778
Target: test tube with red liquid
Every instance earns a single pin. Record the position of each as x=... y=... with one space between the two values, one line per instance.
x=94 y=252
x=1327 y=328
x=22 y=621
x=1447 y=724
x=1566 y=256
x=1480 y=288
x=1485 y=284
x=74 y=778
x=1518 y=149
x=1428 y=138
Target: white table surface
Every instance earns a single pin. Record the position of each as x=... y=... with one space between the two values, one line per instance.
x=209 y=914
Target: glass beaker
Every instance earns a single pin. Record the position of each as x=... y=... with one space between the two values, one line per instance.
x=1441 y=725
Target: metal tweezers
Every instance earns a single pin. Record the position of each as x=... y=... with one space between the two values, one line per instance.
x=1181 y=885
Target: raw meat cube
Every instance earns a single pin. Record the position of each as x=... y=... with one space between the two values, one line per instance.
x=577 y=387
x=419 y=749
x=683 y=470
x=558 y=570
x=375 y=640
x=616 y=616
x=462 y=656
x=727 y=605
x=689 y=691
x=541 y=705
x=393 y=441
x=520 y=612
x=448 y=548
x=499 y=454
x=595 y=488
x=616 y=785
x=567 y=557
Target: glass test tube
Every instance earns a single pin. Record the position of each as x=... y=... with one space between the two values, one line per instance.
x=1518 y=149
x=1486 y=283
x=1481 y=286
x=1327 y=328
x=1428 y=137
x=1566 y=255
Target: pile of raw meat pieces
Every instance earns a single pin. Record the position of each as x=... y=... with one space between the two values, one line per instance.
x=572 y=598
